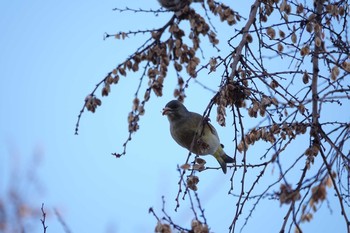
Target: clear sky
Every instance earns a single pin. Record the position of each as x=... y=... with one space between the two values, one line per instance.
x=52 y=53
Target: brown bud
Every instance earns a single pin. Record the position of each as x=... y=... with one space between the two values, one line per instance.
x=305 y=77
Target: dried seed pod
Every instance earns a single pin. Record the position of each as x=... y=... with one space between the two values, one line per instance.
x=305 y=51
x=300 y=9
x=271 y=32
x=185 y=166
x=106 y=89
x=274 y=84
x=281 y=34
x=294 y=38
x=335 y=73
x=249 y=38
x=306 y=77
x=200 y=161
x=280 y=47
x=318 y=42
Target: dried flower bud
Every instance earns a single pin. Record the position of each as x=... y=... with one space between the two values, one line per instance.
x=271 y=32
x=177 y=66
x=147 y=95
x=192 y=182
x=319 y=193
x=294 y=38
x=346 y=66
x=198 y=167
x=280 y=47
x=306 y=77
x=105 y=90
x=318 y=42
x=116 y=79
x=185 y=166
x=274 y=84
x=135 y=67
x=283 y=5
x=109 y=79
x=262 y=112
x=162 y=228
x=301 y=108
x=305 y=51
x=317 y=27
x=141 y=110
x=97 y=101
x=281 y=34
x=242 y=146
x=335 y=73
x=136 y=103
x=200 y=161
x=300 y=9
x=309 y=27
x=249 y=38
x=122 y=71
x=212 y=64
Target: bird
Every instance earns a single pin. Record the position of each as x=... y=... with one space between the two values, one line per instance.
x=193 y=132
x=176 y=5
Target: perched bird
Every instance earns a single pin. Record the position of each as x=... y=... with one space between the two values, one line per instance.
x=190 y=131
x=176 y=5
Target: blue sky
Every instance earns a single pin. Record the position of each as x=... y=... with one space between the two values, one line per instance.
x=51 y=56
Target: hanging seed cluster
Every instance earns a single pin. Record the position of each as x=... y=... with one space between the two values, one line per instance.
x=288 y=195
x=270 y=133
x=158 y=55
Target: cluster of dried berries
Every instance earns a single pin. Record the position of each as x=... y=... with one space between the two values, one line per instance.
x=192 y=182
x=199 y=165
x=287 y=194
x=231 y=94
x=179 y=92
x=269 y=134
x=182 y=54
x=336 y=11
x=234 y=93
x=335 y=73
x=318 y=195
x=159 y=57
x=198 y=27
x=309 y=23
x=346 y=66
x=306 y=217
x=162 y=228
x=199 y=227
x=160 y=53
x=225 y=12
x=261 y=105
x=196 y=227
x=133 y=117
x=268 y=6
x=91 y=103
x=312 y=150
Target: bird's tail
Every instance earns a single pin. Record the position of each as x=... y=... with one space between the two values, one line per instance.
x=223 y=159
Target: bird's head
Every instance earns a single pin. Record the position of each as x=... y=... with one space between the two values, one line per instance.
x=174 y=109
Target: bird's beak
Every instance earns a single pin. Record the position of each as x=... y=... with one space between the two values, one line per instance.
x=166 y=111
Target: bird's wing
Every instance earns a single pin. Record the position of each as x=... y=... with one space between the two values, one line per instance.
x=212 y=129
x=198 y=121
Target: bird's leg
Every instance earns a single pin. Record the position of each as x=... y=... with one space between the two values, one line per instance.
x=206 y=120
